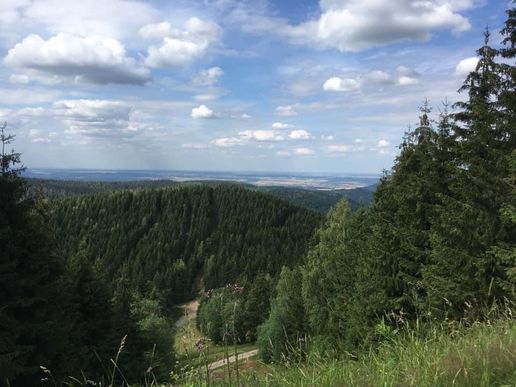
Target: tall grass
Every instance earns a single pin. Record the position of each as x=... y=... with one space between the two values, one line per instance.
x=449 y=354
x=481 y=355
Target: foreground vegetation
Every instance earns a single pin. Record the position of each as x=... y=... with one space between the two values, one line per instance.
x=481 y=355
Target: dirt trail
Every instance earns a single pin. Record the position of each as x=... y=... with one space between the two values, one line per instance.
x=232 y=359
x=190 y=311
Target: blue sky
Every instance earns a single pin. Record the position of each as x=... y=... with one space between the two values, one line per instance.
x=302 y=86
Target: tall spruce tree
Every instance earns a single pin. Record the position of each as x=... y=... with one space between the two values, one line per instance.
x=402 y=215
x=464 y=274
x=34 y=325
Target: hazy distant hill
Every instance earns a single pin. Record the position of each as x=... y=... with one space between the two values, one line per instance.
x=317 y=200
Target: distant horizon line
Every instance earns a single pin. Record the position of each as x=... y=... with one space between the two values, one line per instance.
x=100 y=170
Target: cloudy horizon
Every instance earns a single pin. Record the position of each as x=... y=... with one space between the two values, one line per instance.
x=301 y=86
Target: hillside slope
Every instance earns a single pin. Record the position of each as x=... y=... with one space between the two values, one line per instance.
x=167 y=239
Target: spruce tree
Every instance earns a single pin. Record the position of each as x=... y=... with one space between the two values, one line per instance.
x=34 y=324
x=464 y=275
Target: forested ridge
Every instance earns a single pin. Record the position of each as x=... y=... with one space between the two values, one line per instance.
x=173 y=241
x=317 y=200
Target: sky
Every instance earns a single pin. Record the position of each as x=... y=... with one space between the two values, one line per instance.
x=224 y=85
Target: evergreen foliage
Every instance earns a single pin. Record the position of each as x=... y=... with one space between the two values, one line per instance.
x=33 y=322
x=282 y=337
x=168 y=239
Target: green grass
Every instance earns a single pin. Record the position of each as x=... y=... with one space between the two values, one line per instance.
x=482 y=355
x=188 y=354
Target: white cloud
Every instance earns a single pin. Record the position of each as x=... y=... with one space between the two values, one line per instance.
x=300 y=135
x=358 y=140
x=383 y=143
x=326 y=137
x=182 y=47
x=245 y=116
x=261 y=135
x=303 y=151
x=286 y=111
x=88 y=59
x=202 y=112
x=466 y=66
x=97 y=119
x=113 y=18
x=354 y=25
x=208 y=77
x=280 y=125
x=340 y=84
x=406 y=81
x=156 y=30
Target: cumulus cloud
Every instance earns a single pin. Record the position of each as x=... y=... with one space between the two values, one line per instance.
x=277 y=133
x=118 y=19
x=97 y=119
x=354 y=25
x=202 y=111
x=466 y=66
x=286 y=111
x=180 y=47
x=340 y=84
x=87 y=59
x=114 y=18
x=300 y=134
x=208 y=77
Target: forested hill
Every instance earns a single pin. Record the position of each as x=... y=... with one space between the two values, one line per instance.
x=321 y=201
x=168 y=239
